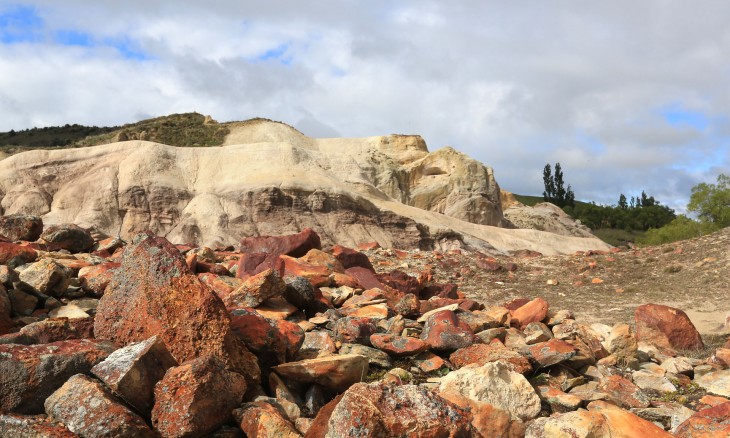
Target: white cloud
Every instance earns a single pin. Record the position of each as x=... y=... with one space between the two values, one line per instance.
x=513 y=84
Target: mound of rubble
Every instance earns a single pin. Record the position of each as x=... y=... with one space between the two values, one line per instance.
x=279 y=337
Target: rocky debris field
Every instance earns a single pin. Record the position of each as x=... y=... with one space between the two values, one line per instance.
x=280 y=338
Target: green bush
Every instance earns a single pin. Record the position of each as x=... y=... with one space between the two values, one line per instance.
x=680 y=228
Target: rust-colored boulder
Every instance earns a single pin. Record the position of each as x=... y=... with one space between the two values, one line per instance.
x=294 y=245
x=380 y=410
x=94 y=279
x=337 y=372
x=21 y=227
x=256 y=289
x=443 y=332
x=260 y=419
x=196 y=398
x=365 y=277
x=57 y=329
x=30 y=373
x=552 y=352
x=354 y=330
x=86 y=408
x=14 y=255
x=70 y=237
x=398 y=346
x=315 y=273
x=132 y=372
x=624 y=424
x=479 y=354
x=401 y=282
x=274 y=341
x=666 y=327
x=712 y=422
x=221 y=285
x=623 y=393
x=438 y=290
x=533 y=311
x=154 y=293
x=350 y=257
x=489 y=420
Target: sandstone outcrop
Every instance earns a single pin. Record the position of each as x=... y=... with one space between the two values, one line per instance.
x=270 y=179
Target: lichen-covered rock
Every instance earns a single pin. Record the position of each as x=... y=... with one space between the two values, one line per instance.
x=15 y=255
x=480 y=354
x=58 y=329
x=378 y=409
x=496 y=384
x=354 y=330
x=86 y=408
x=132 y=372
x=21 y=227
x=30 y=373
x=666 y=327
x=398 y=346
x=94 y=279
x=257 y=289
x=274 y=341
x=154 y=293
x=70 y=237
x=196 y=398
x=712 y=422
x=443 y=332
x=32 y=426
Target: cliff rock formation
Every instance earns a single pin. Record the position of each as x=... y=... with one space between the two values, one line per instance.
x=269 y=178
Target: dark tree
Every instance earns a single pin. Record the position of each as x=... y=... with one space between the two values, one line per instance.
x=555 y=191
x=622 y=202
x=547 y=178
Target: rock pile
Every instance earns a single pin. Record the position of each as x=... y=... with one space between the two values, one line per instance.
x=282 y=338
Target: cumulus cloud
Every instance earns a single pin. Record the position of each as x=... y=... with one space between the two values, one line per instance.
x=627 y=96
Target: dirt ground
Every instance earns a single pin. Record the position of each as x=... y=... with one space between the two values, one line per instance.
x=692 y=275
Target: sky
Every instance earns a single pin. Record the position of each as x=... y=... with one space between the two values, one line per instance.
x=627 y=96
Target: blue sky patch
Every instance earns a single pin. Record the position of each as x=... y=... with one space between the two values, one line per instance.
x=278 y=53
x=128 y=49
x=675 y=115
x=19 y=24
x=74 y=38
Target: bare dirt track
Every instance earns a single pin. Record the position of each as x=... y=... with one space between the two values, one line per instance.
x=693 y=275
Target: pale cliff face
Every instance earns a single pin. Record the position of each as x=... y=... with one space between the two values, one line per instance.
x=386 y=189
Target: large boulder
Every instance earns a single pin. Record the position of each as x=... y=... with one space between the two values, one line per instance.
x=46 y=276
x=21 y=227
x=70 y=237
x=378 y=409
x=666 y=327
x=154 y=293
x=294 y=245
x=196 y=398
x=29 y=374
x=85 y=407
x=496 y=384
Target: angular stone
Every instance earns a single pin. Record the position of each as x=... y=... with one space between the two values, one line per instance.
x=58 y=329
x=678 y=365
x=70 y=311
x=21 y=227
x=444 y=332
x=381 y=410
x=313 y=268
x=261 y=419
x=480 y=354
x=354 y=330
x=536 y=332
x=257 y=289
x=477 y=321
x=221 y=285
x=374 y=311
x=713 y=422
x=46 y=276
x=69 y=237
x=488 y=420
x=649 y=380
x=558 y=400
x=375 y=357
x=196 y=398
x=15 y=255
x=623 y=393
x=317 y=344
x=550 y=353
x=624 y=424
x=429 y=362
x=22 y=303
x=294 y=245
x=401 y=282
x=716 y=382
x=337 y=372
x=533 y=311
x=154 y=293
x=94 y=279
x=132 y=372
x=398 y=346
x=666 y=327
x=29 y=374
x=578 y=424
x=276 y=308
x=350 y=257
x=622 y=342
x=275 y=341
x=84 y=407
x=496 y=384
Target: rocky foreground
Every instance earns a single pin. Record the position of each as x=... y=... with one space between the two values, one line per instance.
x=101 y=337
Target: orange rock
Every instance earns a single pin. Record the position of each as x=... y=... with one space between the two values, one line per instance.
x=533 y=311
x=337 y=372
x=666 y=327
x=489 y=420
x=260 y=419
x=597 y=280
x=94 y=279
x=713 y=422
x=624 y=424
x=494 y=352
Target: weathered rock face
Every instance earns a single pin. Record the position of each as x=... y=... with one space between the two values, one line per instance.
x=546 y=217
x=666 y=327
x=154 y=293
x=21 y=227
x=385 y=189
